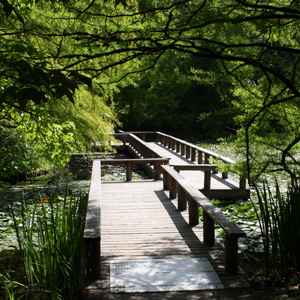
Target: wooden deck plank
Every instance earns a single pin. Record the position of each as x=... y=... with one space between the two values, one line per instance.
x=139 y=221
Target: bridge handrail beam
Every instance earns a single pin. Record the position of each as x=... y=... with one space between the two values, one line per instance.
x=92 y=229
x=176 y=184
x=157 y=162
x=208 y=152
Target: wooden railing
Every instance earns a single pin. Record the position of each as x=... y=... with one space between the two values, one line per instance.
x=139 y=149
x=184 y=148
x=92 y=231
x=157 y=162
x=193 y=152
x=187 y=193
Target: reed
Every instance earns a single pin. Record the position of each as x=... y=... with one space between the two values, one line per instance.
x=279 y=216
x=51 y=243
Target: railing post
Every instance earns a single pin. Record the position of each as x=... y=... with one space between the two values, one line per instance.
x=242 y=183
x=128 y=171
x=207 y=179
x=165 y=180
x=208 y=230
x=182 y=146
x=231 y=254
x=193 y=211
x=193 y=158
x=177 y=147
x=92 y=248
x=224 y=175
x=188 y=151
x=157 y=170
x=172 y=187
x=182 y=201
x=169 y=143
x=200 y=160
x=206 y=158
x=173 y=145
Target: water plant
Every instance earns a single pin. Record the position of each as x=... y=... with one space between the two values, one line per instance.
x=50 y=238
x=280 y=226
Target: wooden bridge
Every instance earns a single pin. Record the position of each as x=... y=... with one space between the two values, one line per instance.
x=157 y=219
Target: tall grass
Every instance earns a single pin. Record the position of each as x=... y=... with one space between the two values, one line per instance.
x=50 y=237
x=279 y=218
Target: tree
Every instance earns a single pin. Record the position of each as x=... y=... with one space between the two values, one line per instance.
x=255 y=42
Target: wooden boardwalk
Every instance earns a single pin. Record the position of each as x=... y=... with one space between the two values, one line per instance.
x=139 y=221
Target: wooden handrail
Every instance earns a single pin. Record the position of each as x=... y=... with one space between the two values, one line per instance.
x=157 y=162
x=189 y=150
x=185 y=149
x=206 y=168
x=92 y=231
x=176 y=184
x=192 y=146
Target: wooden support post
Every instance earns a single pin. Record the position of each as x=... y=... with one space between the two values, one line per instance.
x=173 y=144
x=200 y=159
x=206 y=158
x=231 y=254
x=92 y=250
x=168 y=142
x=182 y=146
x=193 y=158
x=224 y=175
x=144 y=137
x=157 y=170
x=208 y=230
x=172 y=187
x=188 y=151
x=182 y=201
x=165 y=180
x=128 y=171
x=242 y=183
x=215 y=171
x=177 y=146
x=207 y=179
x=193 y=211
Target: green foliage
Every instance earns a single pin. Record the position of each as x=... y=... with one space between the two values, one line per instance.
x=279 y=220
x=16 y=158
x=248 y=52
x=93 y=120
x=34 y=136
x=168 y=99
x=50 y=238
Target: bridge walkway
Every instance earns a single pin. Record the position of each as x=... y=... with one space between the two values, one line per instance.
x=140 y=222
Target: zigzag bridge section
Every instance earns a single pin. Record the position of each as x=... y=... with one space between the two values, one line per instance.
x=153 y=225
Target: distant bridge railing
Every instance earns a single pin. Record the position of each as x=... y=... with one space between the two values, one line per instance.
x=139 y=149
x=157 y=162
x=184 y=148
